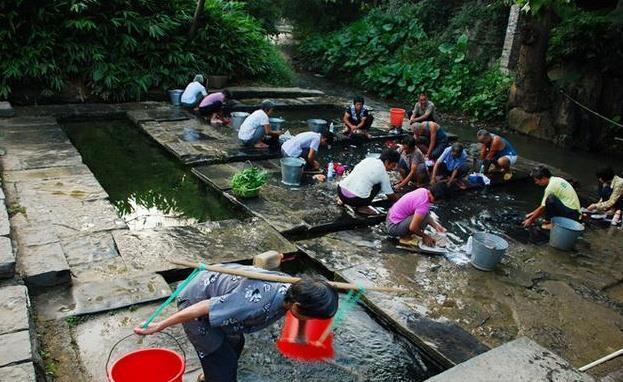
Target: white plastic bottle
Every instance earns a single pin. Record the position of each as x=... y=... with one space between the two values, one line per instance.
x=330 y=170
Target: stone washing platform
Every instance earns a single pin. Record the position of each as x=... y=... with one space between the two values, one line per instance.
x=568 y=302
x=16 y=336
x=520 y=360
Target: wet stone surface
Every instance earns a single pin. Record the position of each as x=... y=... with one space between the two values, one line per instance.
x=562 y=300
x=212 y=242
x=24 y=372
x=100 y=296
x=7 y=258
x=19 y=345
x=14 y=305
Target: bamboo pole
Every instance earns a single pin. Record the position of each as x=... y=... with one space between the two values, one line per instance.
x=602 y=360
x=281 y=279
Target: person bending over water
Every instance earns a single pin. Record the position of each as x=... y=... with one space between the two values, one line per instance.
x=216 y=310
x=432 y=138
x=367 y=180
x=559 y=199
x=496 y=151
x=357 y=118
x=412 y=165
x=305 y=145
x=411 y=214
x=452 y=164
x=211 y=107
x=194 y=93
x=610 y=192
x=257 y=126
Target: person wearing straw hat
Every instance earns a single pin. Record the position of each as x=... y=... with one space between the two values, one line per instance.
x=194 y=92
x=216 y=310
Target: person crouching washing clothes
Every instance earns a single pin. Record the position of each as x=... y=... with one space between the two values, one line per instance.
x=217 y=309
x=305 y=145
x=257 y=126
x=194 y=93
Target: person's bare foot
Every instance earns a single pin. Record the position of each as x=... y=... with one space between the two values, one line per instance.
x=546 y=226
x=261 y=145
x=367 y=210
x=201 y=378
x=339 y=201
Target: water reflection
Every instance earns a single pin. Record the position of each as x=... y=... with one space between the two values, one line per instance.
x=148 y=188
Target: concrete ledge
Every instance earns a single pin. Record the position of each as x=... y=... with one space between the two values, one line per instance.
x=7 y=259
x=14 y=304
x=243 y=92
x=44 y=265
x=16 y=348
x=521 y=360
x=24 y=372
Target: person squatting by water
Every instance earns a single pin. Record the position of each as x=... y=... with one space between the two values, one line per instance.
x=559 y=199
x=211 y=107
x=194 y=92
x=423 y=110
x=412 y=165
x=256 y=127
x=411 y=214
x=452 y=165
x=306 y=145
x=357 y=118
x=496 y=151
x=367 y=180
x=217 y=309
x=430 y=138
x=610 y=192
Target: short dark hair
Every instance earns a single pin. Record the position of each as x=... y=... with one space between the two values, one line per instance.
x=540 y=172
x=329 y=136
x=409 y=142
x=267 y=105
x=457 y=147
x=422 y=94
x=392 y=156
x=483 y=133
x=226 y=93
x=605 y=173
x=315 y=298
x=358 y=98
x=440 y=191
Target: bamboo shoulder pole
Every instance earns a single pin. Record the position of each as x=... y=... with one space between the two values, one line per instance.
x=602 y=360
x=281 y=279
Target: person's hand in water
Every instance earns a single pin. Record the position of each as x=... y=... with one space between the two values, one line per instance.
x=592 y=207
x=528 y=221
x=428 y=240
x=151 y=329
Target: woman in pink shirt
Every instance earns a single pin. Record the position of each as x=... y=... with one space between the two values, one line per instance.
x=211 y=107
x=410 y=215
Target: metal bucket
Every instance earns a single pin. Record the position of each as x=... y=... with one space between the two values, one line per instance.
x=275 y=123
x=318 y=125
x=487 y=250
x=175 y=95
x=564 y=233
x=237 y=117
x=292 y=171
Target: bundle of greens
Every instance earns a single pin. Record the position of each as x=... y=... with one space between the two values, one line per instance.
x=247 y=183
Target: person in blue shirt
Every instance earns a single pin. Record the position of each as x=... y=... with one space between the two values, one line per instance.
x=452 y=163
x=216 y=310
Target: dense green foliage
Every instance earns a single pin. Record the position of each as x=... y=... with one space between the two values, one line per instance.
x=391 y=54
x=313 y=16
x=118 y=50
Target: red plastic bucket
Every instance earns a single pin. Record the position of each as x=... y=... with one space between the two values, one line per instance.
x=396 y=116
x=147 y=364
x=289 y=346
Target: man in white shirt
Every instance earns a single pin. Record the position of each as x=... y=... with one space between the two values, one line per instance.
x=368 y=179
x=305 y=145
x=194 y=93
x=256 y=126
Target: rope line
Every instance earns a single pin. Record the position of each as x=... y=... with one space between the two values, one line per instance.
x=590 y=110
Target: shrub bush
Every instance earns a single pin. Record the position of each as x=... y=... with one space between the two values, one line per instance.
x=119 y=49
x=390 y=54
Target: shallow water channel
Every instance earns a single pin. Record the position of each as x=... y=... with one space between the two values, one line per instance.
x=147 y=187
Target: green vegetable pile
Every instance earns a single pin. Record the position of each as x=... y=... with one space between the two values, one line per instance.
x=247 y=183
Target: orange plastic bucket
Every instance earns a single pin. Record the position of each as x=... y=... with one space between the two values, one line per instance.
x=396 y=116
x=290 y=347
x=148 y=365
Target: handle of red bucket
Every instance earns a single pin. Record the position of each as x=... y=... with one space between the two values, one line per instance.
x=179 y=345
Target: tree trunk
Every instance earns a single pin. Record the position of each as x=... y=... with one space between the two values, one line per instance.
x=532 y=89
x=198 y=14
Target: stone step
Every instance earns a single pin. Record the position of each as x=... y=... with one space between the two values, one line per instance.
x=19 y=346
x=243 y=92
x=14 y=305
x=100 y=296
x=7 y=258
x=521 y=360
x=43 y=265
x=24 y=372
x=6 y=110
